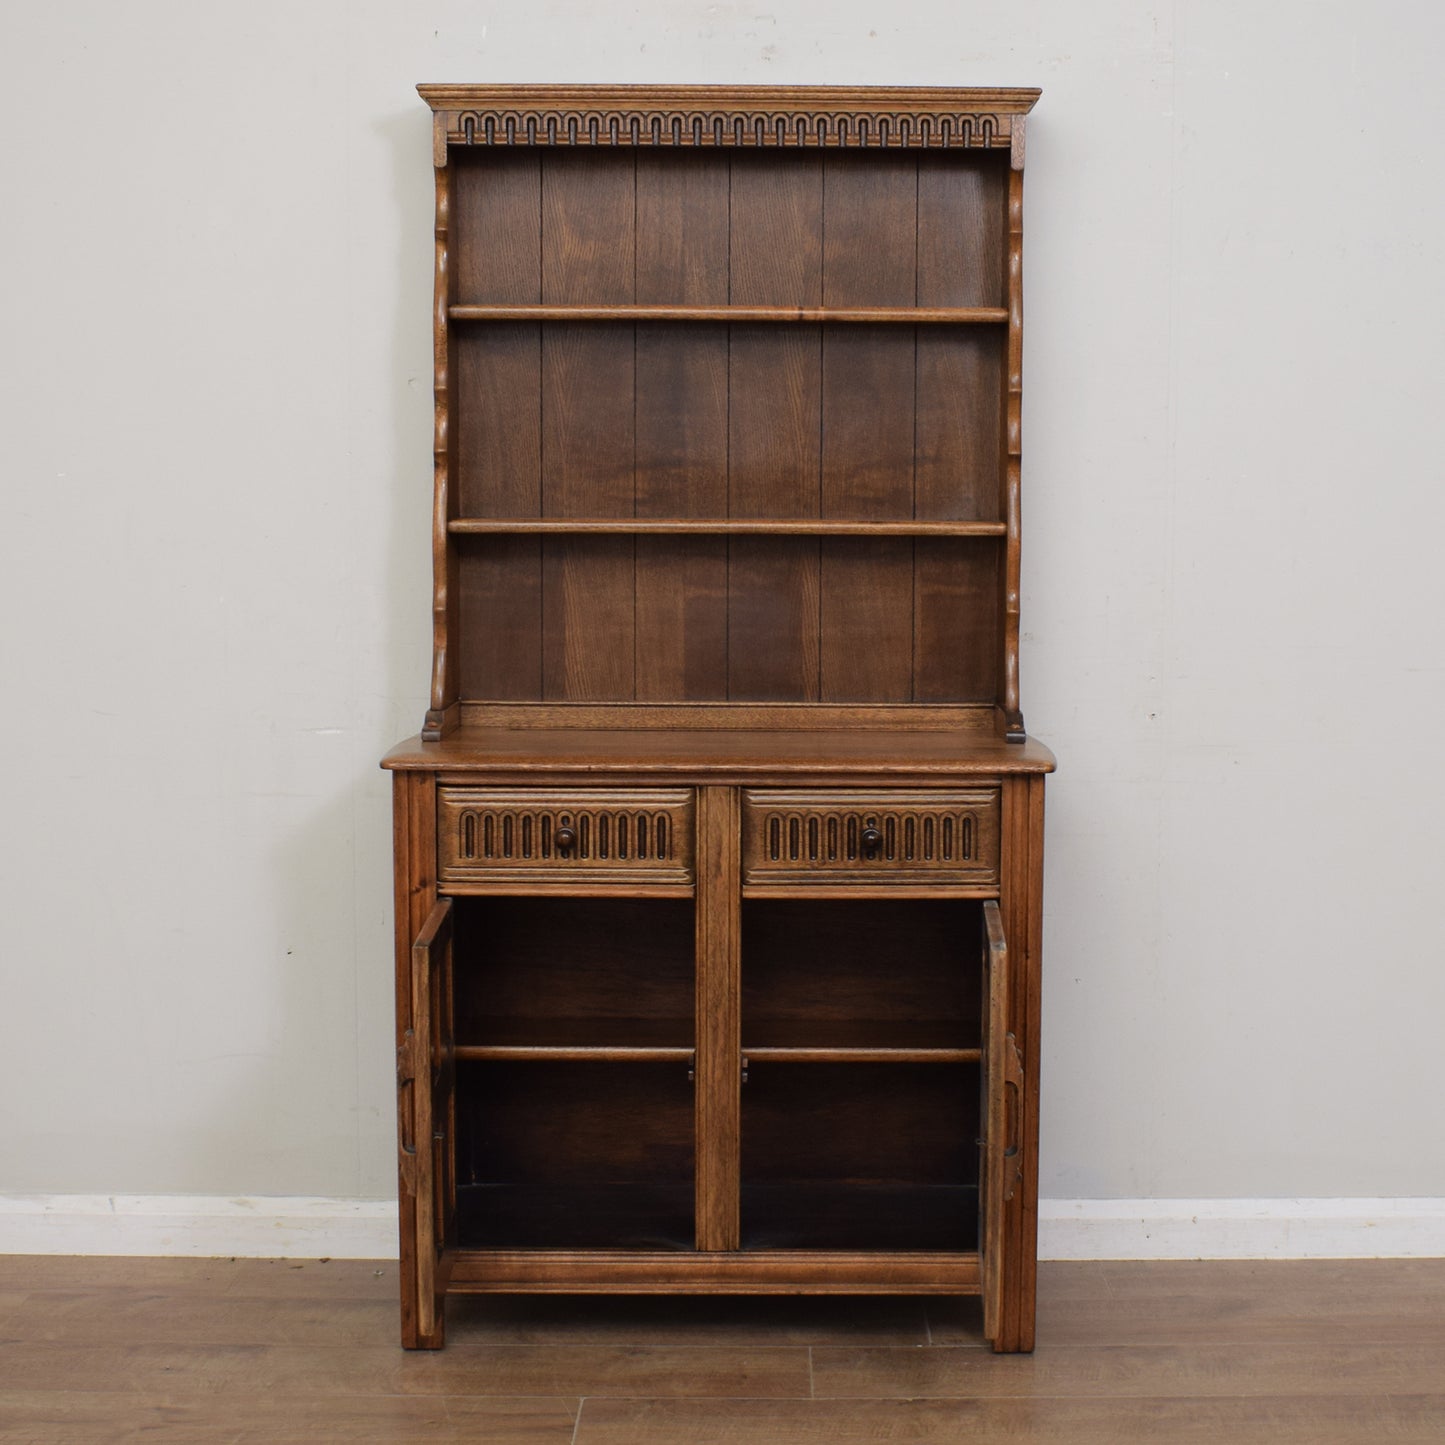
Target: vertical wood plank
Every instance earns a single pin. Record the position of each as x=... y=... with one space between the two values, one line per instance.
x=961 y=200
x=866 y=604
x=497 y=429
x=866 y=586
x=499 y=582
x=589 y=209
x=870 y=229
x=588 y=253
x=961 y=262
x=956 y=623
x=718 y=1067
x=682 y=431
x=958 y=436
x=588 y=622
x=774 y=425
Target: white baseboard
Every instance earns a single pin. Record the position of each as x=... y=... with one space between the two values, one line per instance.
x=1241 y=1228
x=315 y=1228
x=256 y=1227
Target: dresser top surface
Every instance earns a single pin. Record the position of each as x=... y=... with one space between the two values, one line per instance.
x=739 y=753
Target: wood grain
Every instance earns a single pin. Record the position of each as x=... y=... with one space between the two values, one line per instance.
x=1299 y=1352
x=1361 y=1420
x=718 y=1019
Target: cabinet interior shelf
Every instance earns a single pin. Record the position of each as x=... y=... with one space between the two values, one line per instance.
x=572 y=1053
x=894 y=315
x=781 y=1054
x=799 y=527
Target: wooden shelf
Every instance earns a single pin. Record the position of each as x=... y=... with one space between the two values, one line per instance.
x=890 y=315
x=581 y=1040
x=781 y=1054
x=724 y=527
x=571 y=1053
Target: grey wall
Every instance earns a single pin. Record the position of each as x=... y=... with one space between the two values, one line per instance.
x=214 y=333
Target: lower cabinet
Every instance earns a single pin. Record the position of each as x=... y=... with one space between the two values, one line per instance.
x=807 y=1082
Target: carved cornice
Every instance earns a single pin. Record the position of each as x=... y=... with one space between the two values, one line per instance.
x=726 y=116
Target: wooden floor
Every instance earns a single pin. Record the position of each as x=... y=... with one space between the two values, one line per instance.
x=279 y=1351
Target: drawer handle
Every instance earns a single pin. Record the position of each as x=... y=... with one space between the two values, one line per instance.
x=872 y=841
x=565 y=839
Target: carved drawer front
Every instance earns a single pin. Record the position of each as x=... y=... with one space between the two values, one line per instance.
x=571 y=835
x=832 y=837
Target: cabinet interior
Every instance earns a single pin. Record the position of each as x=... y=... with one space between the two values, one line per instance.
x=782 y=428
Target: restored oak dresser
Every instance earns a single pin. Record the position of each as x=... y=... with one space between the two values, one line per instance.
x=719 y=858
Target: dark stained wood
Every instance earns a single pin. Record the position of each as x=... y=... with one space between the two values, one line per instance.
x=774 y=427
x=536 y=1136
x=961 y=202
x=535 y=974
x=496 y=423
x=682 y=426
x=726 y=522
x=588 y=398
x=876 y=973
x=956 y=436
x=838 y=1156
x=956 y=621
x=866 y=588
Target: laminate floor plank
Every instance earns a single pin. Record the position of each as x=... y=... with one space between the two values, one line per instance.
x=1240 y=1371
x=1397 y=1301
x=385 y=1369
x=162 y=1317
x=262 y=1278
x=1351 y=1420
x=1285 y=1352
x=94 y=1417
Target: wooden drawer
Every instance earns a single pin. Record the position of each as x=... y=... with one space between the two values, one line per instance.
x=845 y=837
x=572 y=836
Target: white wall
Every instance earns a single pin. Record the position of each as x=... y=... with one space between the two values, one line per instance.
x=214 y=334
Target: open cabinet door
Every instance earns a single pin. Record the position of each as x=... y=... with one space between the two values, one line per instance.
x=425 y=1079
x=1002 y=1085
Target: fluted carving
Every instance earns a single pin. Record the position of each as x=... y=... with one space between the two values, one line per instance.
x=661 y=127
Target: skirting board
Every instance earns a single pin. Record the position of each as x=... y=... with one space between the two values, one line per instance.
x=314 y=1228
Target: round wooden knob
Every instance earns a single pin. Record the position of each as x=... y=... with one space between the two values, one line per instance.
x=872 y=841
x=566 y=839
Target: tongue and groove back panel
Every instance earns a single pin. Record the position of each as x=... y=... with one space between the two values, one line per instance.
x=764 y=421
